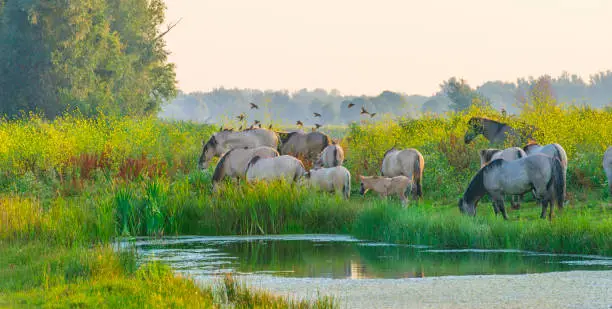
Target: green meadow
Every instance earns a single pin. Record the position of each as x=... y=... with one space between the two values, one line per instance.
x=71 y=187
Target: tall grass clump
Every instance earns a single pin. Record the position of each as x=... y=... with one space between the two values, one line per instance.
x=575 y=231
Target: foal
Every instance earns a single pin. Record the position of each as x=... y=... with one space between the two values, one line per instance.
x=386 y=186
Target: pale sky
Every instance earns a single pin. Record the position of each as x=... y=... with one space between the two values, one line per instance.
x=365 y=47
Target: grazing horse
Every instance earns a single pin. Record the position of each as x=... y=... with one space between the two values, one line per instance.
x=607 y=166
x=552 y=150
x=541 y=174
x=408 y=162
x=332 y=155
x=386 y=186
x=234 y=162
x=508 y=154
x=276 y=168
x=305 y=145
x=223 y=141
x=496 y=132
x=333 y=179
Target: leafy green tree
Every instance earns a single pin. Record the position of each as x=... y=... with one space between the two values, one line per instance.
x=461 y=94
x=91 y=55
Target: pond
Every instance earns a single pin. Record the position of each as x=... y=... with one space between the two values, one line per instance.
x=340 y=256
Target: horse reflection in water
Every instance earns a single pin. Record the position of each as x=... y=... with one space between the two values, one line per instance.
x=355 y=270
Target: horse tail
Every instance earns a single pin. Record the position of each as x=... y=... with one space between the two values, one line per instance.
x=335 y=156
x=326 y=140
x=300 y=170
x=251 y=163
x=558 y=182
x=220 y=168
x=559 y=158
x=346 y=190
x=417 y=174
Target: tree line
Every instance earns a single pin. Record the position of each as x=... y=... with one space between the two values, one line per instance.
x=223 y=105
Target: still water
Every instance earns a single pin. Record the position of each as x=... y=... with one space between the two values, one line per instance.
x=339 y=256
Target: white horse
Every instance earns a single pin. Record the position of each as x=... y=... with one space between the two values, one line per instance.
x=226 y=140
x=333 y=179
x=541 y=174
x=284 y=167
x=408 y=162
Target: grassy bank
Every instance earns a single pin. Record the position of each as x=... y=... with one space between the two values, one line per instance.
x=584 y=230
x=38 y=275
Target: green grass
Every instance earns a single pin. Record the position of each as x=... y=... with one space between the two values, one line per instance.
x=69 y=188
x=581 y=230
x=37 y=275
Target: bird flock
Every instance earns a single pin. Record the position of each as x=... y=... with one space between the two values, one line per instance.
x=257 y=124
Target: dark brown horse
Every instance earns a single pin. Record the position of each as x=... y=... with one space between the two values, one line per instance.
x=496 y=132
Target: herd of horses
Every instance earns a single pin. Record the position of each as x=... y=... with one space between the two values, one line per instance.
x=259 y=154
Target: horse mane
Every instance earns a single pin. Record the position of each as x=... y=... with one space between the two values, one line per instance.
x=531 y=143
x=474 y=119
x=220 y=166
x=476 y=186
x=212 y=142
x=487 y=154
x=387 y=152
x=253 y=161
x=287 y=137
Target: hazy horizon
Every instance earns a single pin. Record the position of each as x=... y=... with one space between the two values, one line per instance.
x=365 y=48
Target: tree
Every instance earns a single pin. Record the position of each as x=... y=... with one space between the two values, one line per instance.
x=91 y=55
x=461 y=94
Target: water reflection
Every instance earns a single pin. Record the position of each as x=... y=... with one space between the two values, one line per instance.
x=336 y=256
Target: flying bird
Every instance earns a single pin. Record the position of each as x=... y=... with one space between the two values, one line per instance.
x=351 y=105
x=372 y=115
x=364 y=111
x=254 y=106
x=316 y=114
x=241 y=117
x=299 y=123
x=318 y=125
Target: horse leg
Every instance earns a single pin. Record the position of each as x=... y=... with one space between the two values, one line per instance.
x=502 y=208
x=403 y=199
x=544 y=205
x=516 y=201
x=551 y=206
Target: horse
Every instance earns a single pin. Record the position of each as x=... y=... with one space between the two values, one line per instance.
x=386 y=186
x=305 y=145
x=541 y=174
x=495 y=131
x=408 y=162
x=234 y=162
x=333 y=179
x=283 y=167
x=552 y=150
x=508 y=154
x=332 y=155
x=607 y=166
x=225 y=140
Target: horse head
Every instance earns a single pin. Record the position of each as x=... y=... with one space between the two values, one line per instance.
x=209 y=150
x=476 y=128
x=467 y=208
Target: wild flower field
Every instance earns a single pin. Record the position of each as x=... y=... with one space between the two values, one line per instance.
x=74 y=184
